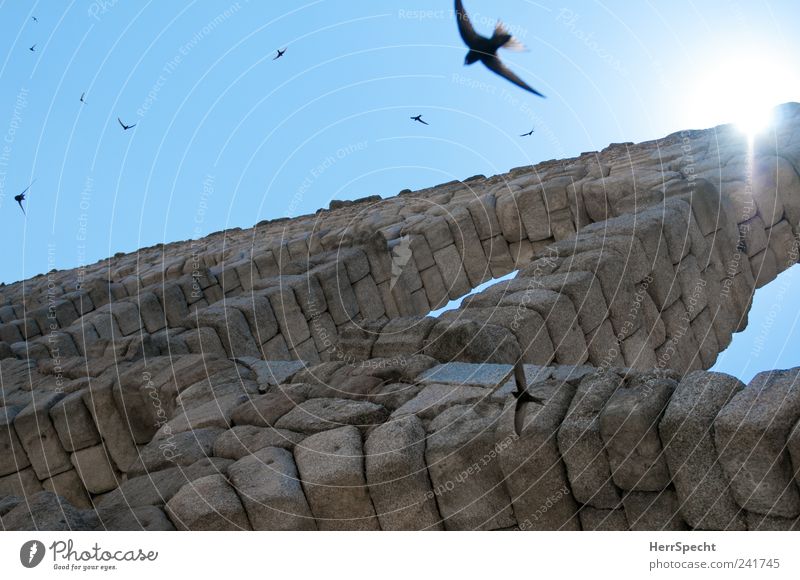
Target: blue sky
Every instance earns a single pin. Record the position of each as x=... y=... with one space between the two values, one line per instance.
x=226 y=136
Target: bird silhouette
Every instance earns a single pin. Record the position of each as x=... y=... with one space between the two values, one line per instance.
x=83 y=95
x=485 y=49
x=418 y=118
x=21 y=197
x=280 y=53
x=33 y=48
x=528 y=134
x=35 y=19
x=124 y=126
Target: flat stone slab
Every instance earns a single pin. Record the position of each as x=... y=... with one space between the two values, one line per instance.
x=475 y=375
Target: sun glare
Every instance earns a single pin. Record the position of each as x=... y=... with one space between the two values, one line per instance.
x=743 y=91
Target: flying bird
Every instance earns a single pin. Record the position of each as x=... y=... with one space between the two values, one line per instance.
x=35 y=19
x=83 y=95
x=33 y=48
x=124 y=126
x=485 y=49
x=418 y=118
x=528 y=134
x=280 y=53
x=21 y=197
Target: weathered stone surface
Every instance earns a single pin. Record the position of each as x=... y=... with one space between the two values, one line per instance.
x=331 y=466
x=629 y=428
x=12 y=456
x=535 y=475
x=46 y=511
x=180 y=449
x=653 y=511
x=244 y=440
x=603 y=520
x=582 y=447
x=73 y=423
x=470 y=341
x=40 y=439
x=470 y=495
x=687 y=434
x=208 y=503
x=268 y=485
x=215 y=413
x=69 y=486
x=398 y=476
x=265 y=410
x=317 y=415
x=95 y=470
x=21 y=483
x=751 y=433
x=99 y=399
x=142 y=518
x=157 y=488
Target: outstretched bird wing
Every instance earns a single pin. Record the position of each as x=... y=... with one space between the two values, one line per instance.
x=496 y=65
x=19 y=201
x=465 y=28
x=421 y=121
x=121 y=123
x=24 y=191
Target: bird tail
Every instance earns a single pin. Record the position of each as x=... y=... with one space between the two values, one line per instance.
x=511 y=43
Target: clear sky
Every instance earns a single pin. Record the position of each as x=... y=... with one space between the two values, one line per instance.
x=226 y=136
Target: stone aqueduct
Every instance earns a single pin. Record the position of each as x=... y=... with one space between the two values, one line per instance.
x=289 y=377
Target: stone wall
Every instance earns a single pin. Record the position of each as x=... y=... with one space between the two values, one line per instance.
x=125 y=381
x=405 y=444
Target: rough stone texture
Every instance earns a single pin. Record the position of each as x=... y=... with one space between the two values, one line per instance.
x=40 y=439
x=331 y=466
x=535 y=476
x=469 y=492
x=398 y=476
x=582 y=447
x=181 y=449
x=47 y=511
x=95 y=470
x=208 y=503
x=751 y=434
x=629 y=428
x=317 y=415
x=73 y=423
x=268 y=485
x=12 y=456
x=242 y=440
x=687 y=434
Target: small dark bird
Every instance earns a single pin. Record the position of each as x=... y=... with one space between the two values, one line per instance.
x=33 y=48
x=485 y=49
x=124 y=126
x=521 y=393
x=21 y=197
x=83 y=95
x=35 y=19
x=528 y=134
x=280 y=53
x=418 y=118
